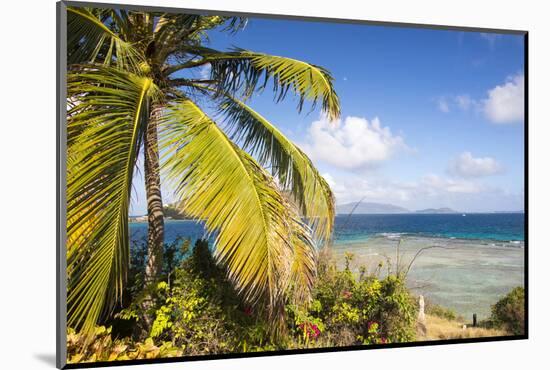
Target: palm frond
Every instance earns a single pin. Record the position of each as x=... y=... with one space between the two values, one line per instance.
x=179 y=34
x=246 y=71
x=121 y=22
x=89 y=39
x=106 y=128
x=173 y=26
x=221 y=184
x=289 y=164
x=304 y=262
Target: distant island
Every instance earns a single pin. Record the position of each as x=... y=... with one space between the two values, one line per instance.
x=437 y=210
x=367 y=208
x=364 y=208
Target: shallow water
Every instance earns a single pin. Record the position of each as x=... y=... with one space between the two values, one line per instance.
x=465 y=275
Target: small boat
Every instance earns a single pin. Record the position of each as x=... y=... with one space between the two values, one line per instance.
x=464 y=215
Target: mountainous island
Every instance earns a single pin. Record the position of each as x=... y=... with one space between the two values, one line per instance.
x=369 y=208
x=365 y=208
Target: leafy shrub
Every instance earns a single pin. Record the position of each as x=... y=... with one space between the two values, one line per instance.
x=351 y=310
x=195 y=310
x=509 y=312
x=440 y=311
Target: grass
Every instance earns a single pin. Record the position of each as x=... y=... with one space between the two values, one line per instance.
x=438 y=328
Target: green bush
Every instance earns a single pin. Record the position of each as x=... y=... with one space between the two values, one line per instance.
x=440 y=311
x=509 y=312
x=195 y=310
x=350 y=310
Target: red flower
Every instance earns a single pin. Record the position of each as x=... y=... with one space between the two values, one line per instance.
x=310 y=330
x=248 y=311
x=346 y=294
x=383 y=340
x=316 y=330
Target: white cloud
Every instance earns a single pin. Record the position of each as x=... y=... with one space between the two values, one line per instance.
x=429 y=191
x=505 y=103
x=443 y=105
x=465 y=102
x=353 y=143
x=434 y=184
x=336 y=187
x=353 y=188
x=468 y=166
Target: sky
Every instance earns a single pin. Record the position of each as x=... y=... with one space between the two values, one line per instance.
x=430 y=118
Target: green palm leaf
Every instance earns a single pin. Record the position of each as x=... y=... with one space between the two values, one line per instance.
x=245 y=71
x=304 y=261
x=105 y=128
x=90 y=40
x=289 y=163
x=221 y=184
x=175 y=33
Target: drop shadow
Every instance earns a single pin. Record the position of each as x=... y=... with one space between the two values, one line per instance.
x=46 y=358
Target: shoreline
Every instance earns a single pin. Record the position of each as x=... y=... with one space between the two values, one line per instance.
x=396 y=236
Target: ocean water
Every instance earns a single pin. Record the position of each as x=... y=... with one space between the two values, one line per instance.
x=489 y=227
x=473 y=260
x=498 y=227
x=173 y=229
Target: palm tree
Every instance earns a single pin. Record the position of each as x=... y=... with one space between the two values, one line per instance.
x=132 y=88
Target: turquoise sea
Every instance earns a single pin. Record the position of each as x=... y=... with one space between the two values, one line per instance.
x=502 y=229
x=490 y=227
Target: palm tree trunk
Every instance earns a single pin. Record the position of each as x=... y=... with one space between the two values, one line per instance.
x=155 y=239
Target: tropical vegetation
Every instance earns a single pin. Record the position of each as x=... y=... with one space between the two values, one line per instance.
x=198 y=311
x=133 y=88
x=509 y=312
